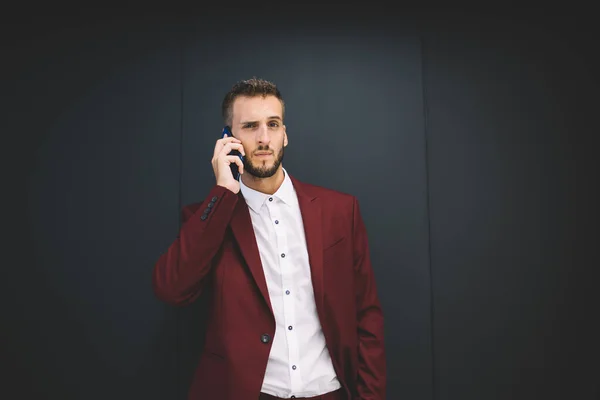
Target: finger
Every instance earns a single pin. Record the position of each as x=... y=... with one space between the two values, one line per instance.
x=228 y=147
x=222 y=142
x=235 y=159
x=227 y=139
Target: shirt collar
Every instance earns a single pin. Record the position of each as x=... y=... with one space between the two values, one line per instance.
x=255 y=199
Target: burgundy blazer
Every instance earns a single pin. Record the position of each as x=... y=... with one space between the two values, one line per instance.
x=216 y=252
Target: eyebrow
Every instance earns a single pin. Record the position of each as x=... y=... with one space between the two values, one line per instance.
x=253 y=122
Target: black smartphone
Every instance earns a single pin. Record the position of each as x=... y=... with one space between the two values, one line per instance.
x=234 y=168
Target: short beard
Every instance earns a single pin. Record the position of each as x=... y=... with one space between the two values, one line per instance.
x=264 y=172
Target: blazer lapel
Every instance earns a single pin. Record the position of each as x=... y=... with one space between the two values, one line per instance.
x=241 y=226
x=310 y=208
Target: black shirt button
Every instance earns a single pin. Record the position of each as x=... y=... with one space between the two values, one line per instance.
x=270 y=199
x=290 y=327
x=265 y=338
x=282 y=255
x=293 y=367
x=214 y=199
x=203 y=217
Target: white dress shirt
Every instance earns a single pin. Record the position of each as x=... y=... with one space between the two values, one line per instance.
x=299 y=363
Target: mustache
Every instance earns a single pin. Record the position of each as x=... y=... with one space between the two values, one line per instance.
x=263 y=149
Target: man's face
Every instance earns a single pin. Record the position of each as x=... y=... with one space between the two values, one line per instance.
x=258 y=123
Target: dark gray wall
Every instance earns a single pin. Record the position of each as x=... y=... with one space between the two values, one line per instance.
x=508 y=111
x=466 y=140
x=95 y=107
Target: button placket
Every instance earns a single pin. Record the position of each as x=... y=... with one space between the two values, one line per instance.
x=287 y=281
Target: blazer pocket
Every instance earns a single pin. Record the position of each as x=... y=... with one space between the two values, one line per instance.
x=334 y=243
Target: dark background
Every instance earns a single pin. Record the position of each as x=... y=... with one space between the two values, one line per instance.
x=467 y=138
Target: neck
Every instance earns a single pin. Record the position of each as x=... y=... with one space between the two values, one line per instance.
x=264 y=185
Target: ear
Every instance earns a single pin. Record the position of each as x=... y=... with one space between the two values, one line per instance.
x=285 y=138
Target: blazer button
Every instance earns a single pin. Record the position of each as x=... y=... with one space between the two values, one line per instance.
x=265 y=338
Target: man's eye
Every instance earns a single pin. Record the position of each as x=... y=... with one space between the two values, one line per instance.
x=274 y=124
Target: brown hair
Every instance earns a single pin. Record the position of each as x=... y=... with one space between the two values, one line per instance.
x=249 y=87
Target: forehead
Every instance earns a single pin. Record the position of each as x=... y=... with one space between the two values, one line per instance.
x=256 y=108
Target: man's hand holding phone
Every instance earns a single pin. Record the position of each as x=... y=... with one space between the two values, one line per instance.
x=222 y=161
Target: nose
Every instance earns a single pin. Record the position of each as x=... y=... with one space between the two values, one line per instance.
x=263 y=135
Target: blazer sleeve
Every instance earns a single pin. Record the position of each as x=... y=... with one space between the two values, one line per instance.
x=180 y=272
x=371 y=378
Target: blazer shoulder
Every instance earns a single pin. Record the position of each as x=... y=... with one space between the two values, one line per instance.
x=331 y=195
